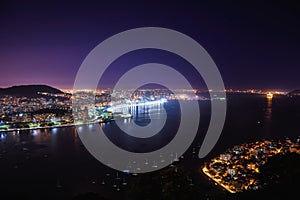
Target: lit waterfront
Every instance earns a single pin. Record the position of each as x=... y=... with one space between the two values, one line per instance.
x=122 y=111
x=236 y=169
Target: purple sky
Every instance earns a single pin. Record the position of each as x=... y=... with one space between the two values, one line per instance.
x=254 y=45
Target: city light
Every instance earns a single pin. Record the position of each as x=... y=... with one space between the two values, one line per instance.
x=269 y=95
x=244 y=161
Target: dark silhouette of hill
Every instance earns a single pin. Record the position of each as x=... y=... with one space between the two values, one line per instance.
x=28 y=90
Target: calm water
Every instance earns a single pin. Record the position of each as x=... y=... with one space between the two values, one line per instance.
x=53 y=163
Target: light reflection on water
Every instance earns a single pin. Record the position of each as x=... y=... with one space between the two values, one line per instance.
x=3 y=136
x=268 y=116
x=54 y=130
x=268 y=113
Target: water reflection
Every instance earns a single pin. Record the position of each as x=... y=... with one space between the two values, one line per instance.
x=268 y=115
x=3 y=136
x=54 y=130
x=269 y=109
x=35 y=132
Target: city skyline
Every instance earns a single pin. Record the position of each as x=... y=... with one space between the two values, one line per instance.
x=253 y=45
x=149 y=100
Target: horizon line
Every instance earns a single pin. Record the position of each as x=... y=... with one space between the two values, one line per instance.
x=110 y=88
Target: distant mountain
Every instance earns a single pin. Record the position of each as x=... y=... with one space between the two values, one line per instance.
x=294 y=93
x=28 y=90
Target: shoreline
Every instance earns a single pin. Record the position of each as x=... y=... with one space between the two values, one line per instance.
x=49 y=127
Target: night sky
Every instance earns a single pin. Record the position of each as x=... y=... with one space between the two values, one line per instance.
x=255 y=45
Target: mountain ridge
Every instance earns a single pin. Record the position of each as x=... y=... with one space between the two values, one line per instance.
x=29 y=90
